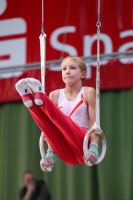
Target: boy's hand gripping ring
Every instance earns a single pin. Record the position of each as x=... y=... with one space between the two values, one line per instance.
x=43 y=155
x=96 y=128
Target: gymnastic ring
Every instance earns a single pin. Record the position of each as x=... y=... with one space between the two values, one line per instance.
x=42 y=152
x=98 y=131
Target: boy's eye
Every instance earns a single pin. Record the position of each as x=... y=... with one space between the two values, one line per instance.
x=64 y=68
x=73 y=67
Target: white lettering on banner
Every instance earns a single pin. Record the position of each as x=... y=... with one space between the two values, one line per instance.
x=12 y=26
x=88 y=42
x=87 y=45
x=87 y=48
x=126 y=46
x=3 y=5
x=61 y=46
x=15 y=49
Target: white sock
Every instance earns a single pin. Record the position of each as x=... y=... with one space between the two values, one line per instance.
x=34 y=84
x=23 y=88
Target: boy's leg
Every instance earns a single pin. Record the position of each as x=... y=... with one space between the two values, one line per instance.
x=52 y=133
x=72 y=133
x=54 y=136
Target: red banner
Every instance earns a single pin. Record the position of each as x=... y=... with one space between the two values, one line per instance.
x=70 y=27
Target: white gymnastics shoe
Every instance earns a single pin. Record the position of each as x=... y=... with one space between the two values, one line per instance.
x=23 y=89
x=36 y=87
x=34 y=84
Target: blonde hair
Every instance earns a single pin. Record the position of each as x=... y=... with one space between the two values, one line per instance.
x=81 y=63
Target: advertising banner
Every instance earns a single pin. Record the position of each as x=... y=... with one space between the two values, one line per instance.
x=70 y=26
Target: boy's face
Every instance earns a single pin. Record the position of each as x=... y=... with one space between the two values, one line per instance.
x=71 y=73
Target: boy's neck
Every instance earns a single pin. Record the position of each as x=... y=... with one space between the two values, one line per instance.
x=71 y=92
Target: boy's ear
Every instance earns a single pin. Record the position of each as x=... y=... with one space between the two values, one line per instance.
x=83 y=75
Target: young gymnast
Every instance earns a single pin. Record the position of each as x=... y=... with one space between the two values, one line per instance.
x=65 y=116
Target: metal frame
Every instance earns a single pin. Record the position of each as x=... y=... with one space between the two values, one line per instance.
x=88 y=60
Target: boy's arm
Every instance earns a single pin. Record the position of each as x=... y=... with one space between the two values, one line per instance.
x=54 y=95
x=51 y=156
x=92 y=113
x=90 y=98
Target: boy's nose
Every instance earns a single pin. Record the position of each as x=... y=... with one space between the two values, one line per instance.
x=67 y=71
